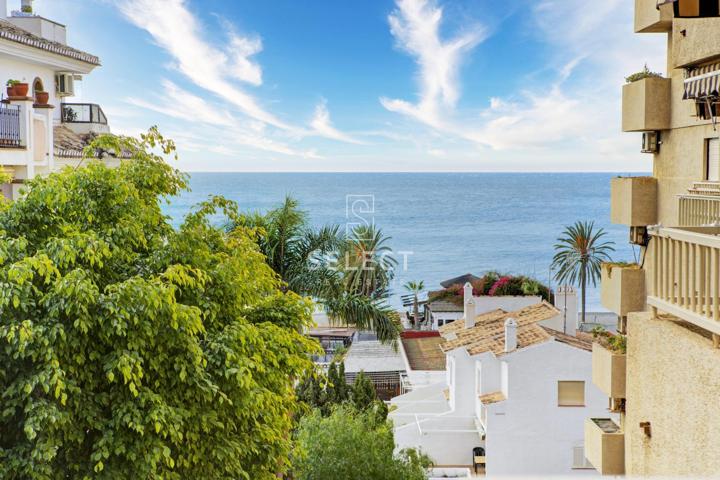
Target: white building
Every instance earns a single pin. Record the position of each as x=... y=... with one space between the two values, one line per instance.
x=42 y=132
x=516 y=383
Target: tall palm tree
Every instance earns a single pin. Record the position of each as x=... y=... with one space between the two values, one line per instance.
x=367 y=261
x=579 y=255
x=303 y=257
x=415 y=288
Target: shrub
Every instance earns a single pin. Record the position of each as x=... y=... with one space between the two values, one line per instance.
x=642 y=74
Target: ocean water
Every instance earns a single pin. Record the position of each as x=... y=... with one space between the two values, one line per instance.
x=442 y=224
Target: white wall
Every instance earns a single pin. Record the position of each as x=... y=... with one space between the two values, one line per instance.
x=529 y=433
x=11 y=68
x=462 y=383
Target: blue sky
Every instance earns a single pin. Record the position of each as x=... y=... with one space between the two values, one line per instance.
x=380 y=85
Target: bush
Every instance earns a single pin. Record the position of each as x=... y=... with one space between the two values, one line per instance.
x=348 y=445
x=642 y=74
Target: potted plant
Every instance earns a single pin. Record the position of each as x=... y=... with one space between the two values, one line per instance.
x=11 y=87
x=642 y=74
x=41 y=97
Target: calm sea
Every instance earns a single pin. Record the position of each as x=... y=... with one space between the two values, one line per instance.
x=441 y=224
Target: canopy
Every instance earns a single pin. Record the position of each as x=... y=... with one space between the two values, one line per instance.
x=701 y=82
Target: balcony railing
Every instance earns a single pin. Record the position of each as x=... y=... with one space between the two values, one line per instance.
x=698 y=211
x=83 y=113
x=10 y=126
x=686 y=274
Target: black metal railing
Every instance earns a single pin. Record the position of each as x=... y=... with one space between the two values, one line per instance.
x=10 y=126
x=83 y=113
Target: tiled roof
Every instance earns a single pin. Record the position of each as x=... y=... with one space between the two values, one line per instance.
x=9 y=31
x=424 y=353
x=494 y=397
x=488 y=334
x=582 y=340
x=68 y=144
x=457 y=325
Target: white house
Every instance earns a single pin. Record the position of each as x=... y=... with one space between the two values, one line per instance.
x=516 y=383
x=40 y=130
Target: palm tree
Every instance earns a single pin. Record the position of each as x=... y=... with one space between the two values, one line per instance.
x=367 y=262
x=303 y=257
x=579 y=255
x=415 y=288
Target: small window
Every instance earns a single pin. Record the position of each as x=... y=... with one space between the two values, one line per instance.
x=571 y=394
x=713 y=160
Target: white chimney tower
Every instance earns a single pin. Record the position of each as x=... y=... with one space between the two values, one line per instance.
x=3 y=9
x=469 y=306
x=510 y=335
x=566 y=301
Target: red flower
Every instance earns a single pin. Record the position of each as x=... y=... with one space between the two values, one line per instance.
x=502 y=281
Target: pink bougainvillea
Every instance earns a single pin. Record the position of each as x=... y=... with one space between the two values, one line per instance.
x=502 y=281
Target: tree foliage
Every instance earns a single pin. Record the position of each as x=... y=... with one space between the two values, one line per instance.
x=579 y=254
x=349 y=276
x=349 y=445
x=129 y=349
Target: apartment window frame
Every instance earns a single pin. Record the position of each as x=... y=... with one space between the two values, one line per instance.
x=708 y=149
x=565 y=402
x=577 y=451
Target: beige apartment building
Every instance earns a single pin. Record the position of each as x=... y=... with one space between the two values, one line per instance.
x=666 y=387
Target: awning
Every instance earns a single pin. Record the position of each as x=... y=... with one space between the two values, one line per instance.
x=701 y=82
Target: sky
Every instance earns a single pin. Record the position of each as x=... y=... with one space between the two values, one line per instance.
x=368 y=85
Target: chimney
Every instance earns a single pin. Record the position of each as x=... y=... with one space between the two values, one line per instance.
x=3 y=9
x=469 y=306
x=566 y=301
x=510 y=335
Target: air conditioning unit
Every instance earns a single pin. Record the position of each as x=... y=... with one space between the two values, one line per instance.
x=650 y=142
x=65 y=84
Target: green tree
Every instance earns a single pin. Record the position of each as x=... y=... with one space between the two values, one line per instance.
x=416 y=288
x=579 y=255
x=363 y=392
x=348 y=445
x=310 y=262
x=129 y=349
x=337 y=390
x=368 y=263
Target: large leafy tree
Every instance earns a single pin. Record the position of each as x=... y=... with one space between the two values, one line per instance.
x=415 y=288
x=129 y=349
x=579 y=254
x=350 y=445
x=322 y=264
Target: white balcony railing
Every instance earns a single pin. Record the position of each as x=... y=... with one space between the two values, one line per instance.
x=699 y=210
x=686 y=275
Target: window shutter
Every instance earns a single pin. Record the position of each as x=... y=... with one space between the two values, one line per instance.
x=571 y=394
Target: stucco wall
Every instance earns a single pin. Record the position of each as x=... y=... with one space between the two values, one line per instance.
x=673 y=383
x=528 y=433
x=27 y=72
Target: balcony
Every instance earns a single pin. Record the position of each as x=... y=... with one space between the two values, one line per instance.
x=608 y=371
x=622 y=288
x=686 y=275
x=10 y=131
x=605 y=446
x=649 y=18
x=633 y=201
x=646 y=105
x=695 y=40
x=700 y=206
x=84 y=118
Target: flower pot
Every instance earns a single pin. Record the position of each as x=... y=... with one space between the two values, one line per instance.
x=11 y=91
x=42 y=98
x=21 y=89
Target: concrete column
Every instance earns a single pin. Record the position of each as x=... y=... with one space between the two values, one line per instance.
x=26 y=132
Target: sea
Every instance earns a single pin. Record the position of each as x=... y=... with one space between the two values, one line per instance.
x=440 y=225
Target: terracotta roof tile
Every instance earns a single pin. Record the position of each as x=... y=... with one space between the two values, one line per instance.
x=9 y=31
x=494 y=397
x=424 y=353
x=488 y=334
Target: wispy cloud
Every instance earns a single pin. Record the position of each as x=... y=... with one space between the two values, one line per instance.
x=176 y=30
x=322 y=125
x=415 y=24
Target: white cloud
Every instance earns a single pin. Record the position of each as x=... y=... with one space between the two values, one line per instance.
x=213 y=68
x=415 y=24
x=322 y=125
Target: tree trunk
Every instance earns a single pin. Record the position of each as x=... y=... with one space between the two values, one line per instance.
x=583 y=287
x=416 y=314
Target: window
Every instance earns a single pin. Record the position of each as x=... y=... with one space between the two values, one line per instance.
x=696 y=8
x=713 y=160
x=571 y=394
